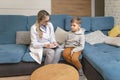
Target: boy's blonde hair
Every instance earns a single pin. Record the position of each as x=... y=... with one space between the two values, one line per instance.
x=76 y=20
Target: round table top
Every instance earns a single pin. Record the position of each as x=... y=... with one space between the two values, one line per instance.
x=55 y=72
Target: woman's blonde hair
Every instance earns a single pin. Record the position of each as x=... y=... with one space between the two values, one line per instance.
x=40 y=16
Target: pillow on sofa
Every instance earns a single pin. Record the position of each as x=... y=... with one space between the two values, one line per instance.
x=115 y=41
x=22 y=37
x=60 y=35
x=95 y=37
x=115 y=31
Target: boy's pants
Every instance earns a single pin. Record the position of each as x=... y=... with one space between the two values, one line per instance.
x=73 y=59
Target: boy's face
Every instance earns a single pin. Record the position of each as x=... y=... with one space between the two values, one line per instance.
x=75 y=27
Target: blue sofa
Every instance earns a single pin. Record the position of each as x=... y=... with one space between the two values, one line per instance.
x=100 y=61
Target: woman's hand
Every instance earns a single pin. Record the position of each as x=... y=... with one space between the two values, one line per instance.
x=47 y=45
x=51 y=45
x=55 y=44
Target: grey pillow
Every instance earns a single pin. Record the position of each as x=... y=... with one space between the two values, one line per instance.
x=60 y=35
x=115 y=41
x=23 y=37
x=95 y=37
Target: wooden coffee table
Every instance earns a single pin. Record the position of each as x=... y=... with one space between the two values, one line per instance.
x=55 y=72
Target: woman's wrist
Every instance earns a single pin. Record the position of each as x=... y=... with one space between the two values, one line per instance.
x=55 y=44
x=46 y=45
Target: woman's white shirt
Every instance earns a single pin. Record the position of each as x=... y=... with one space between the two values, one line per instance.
x=36 y=46
x=48 y=36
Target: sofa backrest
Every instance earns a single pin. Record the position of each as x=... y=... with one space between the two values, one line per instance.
x=57 y=20
x=31 y=21
x=102 y=23
x=86 y=22
x=9 y=25
x=93 y=23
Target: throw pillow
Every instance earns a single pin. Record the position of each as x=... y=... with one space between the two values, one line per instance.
x=60 y=35
x=22 y=37
x=113 y=41
x=95 y=37
x=115 y=31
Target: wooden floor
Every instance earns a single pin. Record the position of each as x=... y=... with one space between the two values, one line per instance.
x=16 y=78
x=19 y=78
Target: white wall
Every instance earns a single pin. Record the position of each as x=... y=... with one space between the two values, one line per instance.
x=112 y=8
x=23 y=7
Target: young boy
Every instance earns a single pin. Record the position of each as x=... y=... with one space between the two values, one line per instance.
x=74 y=44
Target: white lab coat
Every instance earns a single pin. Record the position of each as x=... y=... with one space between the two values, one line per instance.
x=36 y=50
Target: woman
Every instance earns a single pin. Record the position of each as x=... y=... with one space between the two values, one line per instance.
x=43 y=41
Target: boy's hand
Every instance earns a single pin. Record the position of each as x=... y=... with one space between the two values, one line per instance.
x=72 y=53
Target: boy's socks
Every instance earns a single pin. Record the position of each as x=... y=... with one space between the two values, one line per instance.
x=81 y=78
x=81 y=74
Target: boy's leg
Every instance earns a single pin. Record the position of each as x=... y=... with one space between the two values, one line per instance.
x=67 y=54
x=75 y=60
x=77 y=64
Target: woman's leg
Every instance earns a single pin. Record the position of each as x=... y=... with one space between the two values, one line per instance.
x=49 y=53
x=57 y=55
x=67 y=54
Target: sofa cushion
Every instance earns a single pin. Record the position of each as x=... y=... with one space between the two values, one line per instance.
x=9 y=24
x=95 y=37
x=115 y=41
x=23 y=37
x=106 y=63
x=114 y=32
x=60 y=35
x=27 y=57
x=106 y=48
x=11 y=53
x=102 y=23
x=86 y=22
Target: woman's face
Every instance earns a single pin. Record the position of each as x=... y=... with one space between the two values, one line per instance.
x=45 y=20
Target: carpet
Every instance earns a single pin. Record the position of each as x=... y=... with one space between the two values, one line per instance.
x=16 y=78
